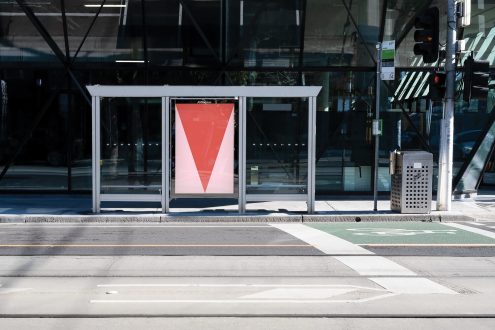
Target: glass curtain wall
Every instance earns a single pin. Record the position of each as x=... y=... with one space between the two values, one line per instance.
x=49 y=50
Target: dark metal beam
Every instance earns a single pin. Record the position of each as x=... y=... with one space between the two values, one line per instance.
x=64 y=27
x=302 y=29
x=145 y=41
x=88 y=31
x=199 y=30
x=349 y=13
x=383 y=20
x=422 y=140
x=473 y=152
x=53 y=46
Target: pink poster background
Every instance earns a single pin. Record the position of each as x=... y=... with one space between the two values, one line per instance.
x=197 y=128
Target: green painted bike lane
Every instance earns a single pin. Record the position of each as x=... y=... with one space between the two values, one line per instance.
x=396 y=233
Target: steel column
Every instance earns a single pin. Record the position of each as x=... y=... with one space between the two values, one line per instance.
x=311 y=153
x=445 y=157
x=94 y=99
x=377 y=117
x=166 y=163
x=241 y=168
x=97 y=147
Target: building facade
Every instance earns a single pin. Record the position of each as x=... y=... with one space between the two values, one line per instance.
x=50 y=50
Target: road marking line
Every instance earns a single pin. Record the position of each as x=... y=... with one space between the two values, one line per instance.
x=411 y=285
x=131 y=226
x=427 y=245
x=367 y=265
x=241 y=301
x=476 y=223
x=240 y=285
x=13 y=290
x=322 y=241
x=471 y=229
x=298 y=293
x=154 y=245
x=375 y=266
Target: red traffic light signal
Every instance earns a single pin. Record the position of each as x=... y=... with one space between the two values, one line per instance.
x=426 y=35
x=437 y=86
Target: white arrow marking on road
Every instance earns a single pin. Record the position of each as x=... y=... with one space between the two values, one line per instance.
x=239 y=301
x=236 y=285
x=364 y=265
x=411 y=285
x=285 y=293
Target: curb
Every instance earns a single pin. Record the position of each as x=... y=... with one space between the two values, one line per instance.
x=256 y=218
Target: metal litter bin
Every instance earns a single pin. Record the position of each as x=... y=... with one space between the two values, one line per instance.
x=411 y=182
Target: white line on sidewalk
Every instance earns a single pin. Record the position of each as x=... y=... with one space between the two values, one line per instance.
x=471 y=229
x=322 y=241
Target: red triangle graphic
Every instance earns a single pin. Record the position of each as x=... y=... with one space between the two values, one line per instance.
x=205 y=126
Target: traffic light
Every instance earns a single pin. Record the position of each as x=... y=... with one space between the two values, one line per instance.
x=426 y=35
x=476 y=76
x=437 y=86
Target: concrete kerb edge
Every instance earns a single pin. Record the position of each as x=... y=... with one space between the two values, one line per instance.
x=201 y=218
x=386 y=218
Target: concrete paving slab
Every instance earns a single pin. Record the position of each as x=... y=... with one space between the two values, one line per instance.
x=248 y=323
x=77 y=208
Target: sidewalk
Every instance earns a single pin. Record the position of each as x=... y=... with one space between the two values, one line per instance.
x=77 y=208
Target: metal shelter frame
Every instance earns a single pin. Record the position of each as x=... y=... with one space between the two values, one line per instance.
x=169 y=92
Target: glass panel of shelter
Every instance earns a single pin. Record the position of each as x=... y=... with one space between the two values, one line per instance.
x=276 y=146
x=130 y=145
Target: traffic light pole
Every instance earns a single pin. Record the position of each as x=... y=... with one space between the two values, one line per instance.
x=377 y=118
x=445 y=158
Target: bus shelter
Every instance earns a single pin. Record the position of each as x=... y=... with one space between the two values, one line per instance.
x=157 y=143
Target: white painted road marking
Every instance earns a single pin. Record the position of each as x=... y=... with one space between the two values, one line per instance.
x=132 y=226
x=366 y=265
x=398 y=232
x=236 y=285
x=13 y=290
x=324 y=242
x=411 y=285
x=298 y=293
x=375 y=266
x=477 y=223
x=239 y=301
x=471 y=229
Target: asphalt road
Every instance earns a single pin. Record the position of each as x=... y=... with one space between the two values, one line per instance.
x=388 y=239
x=149 y=239
x=352 y=275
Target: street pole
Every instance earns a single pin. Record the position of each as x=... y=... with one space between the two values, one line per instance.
x=445 y=157
x=377 y=118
